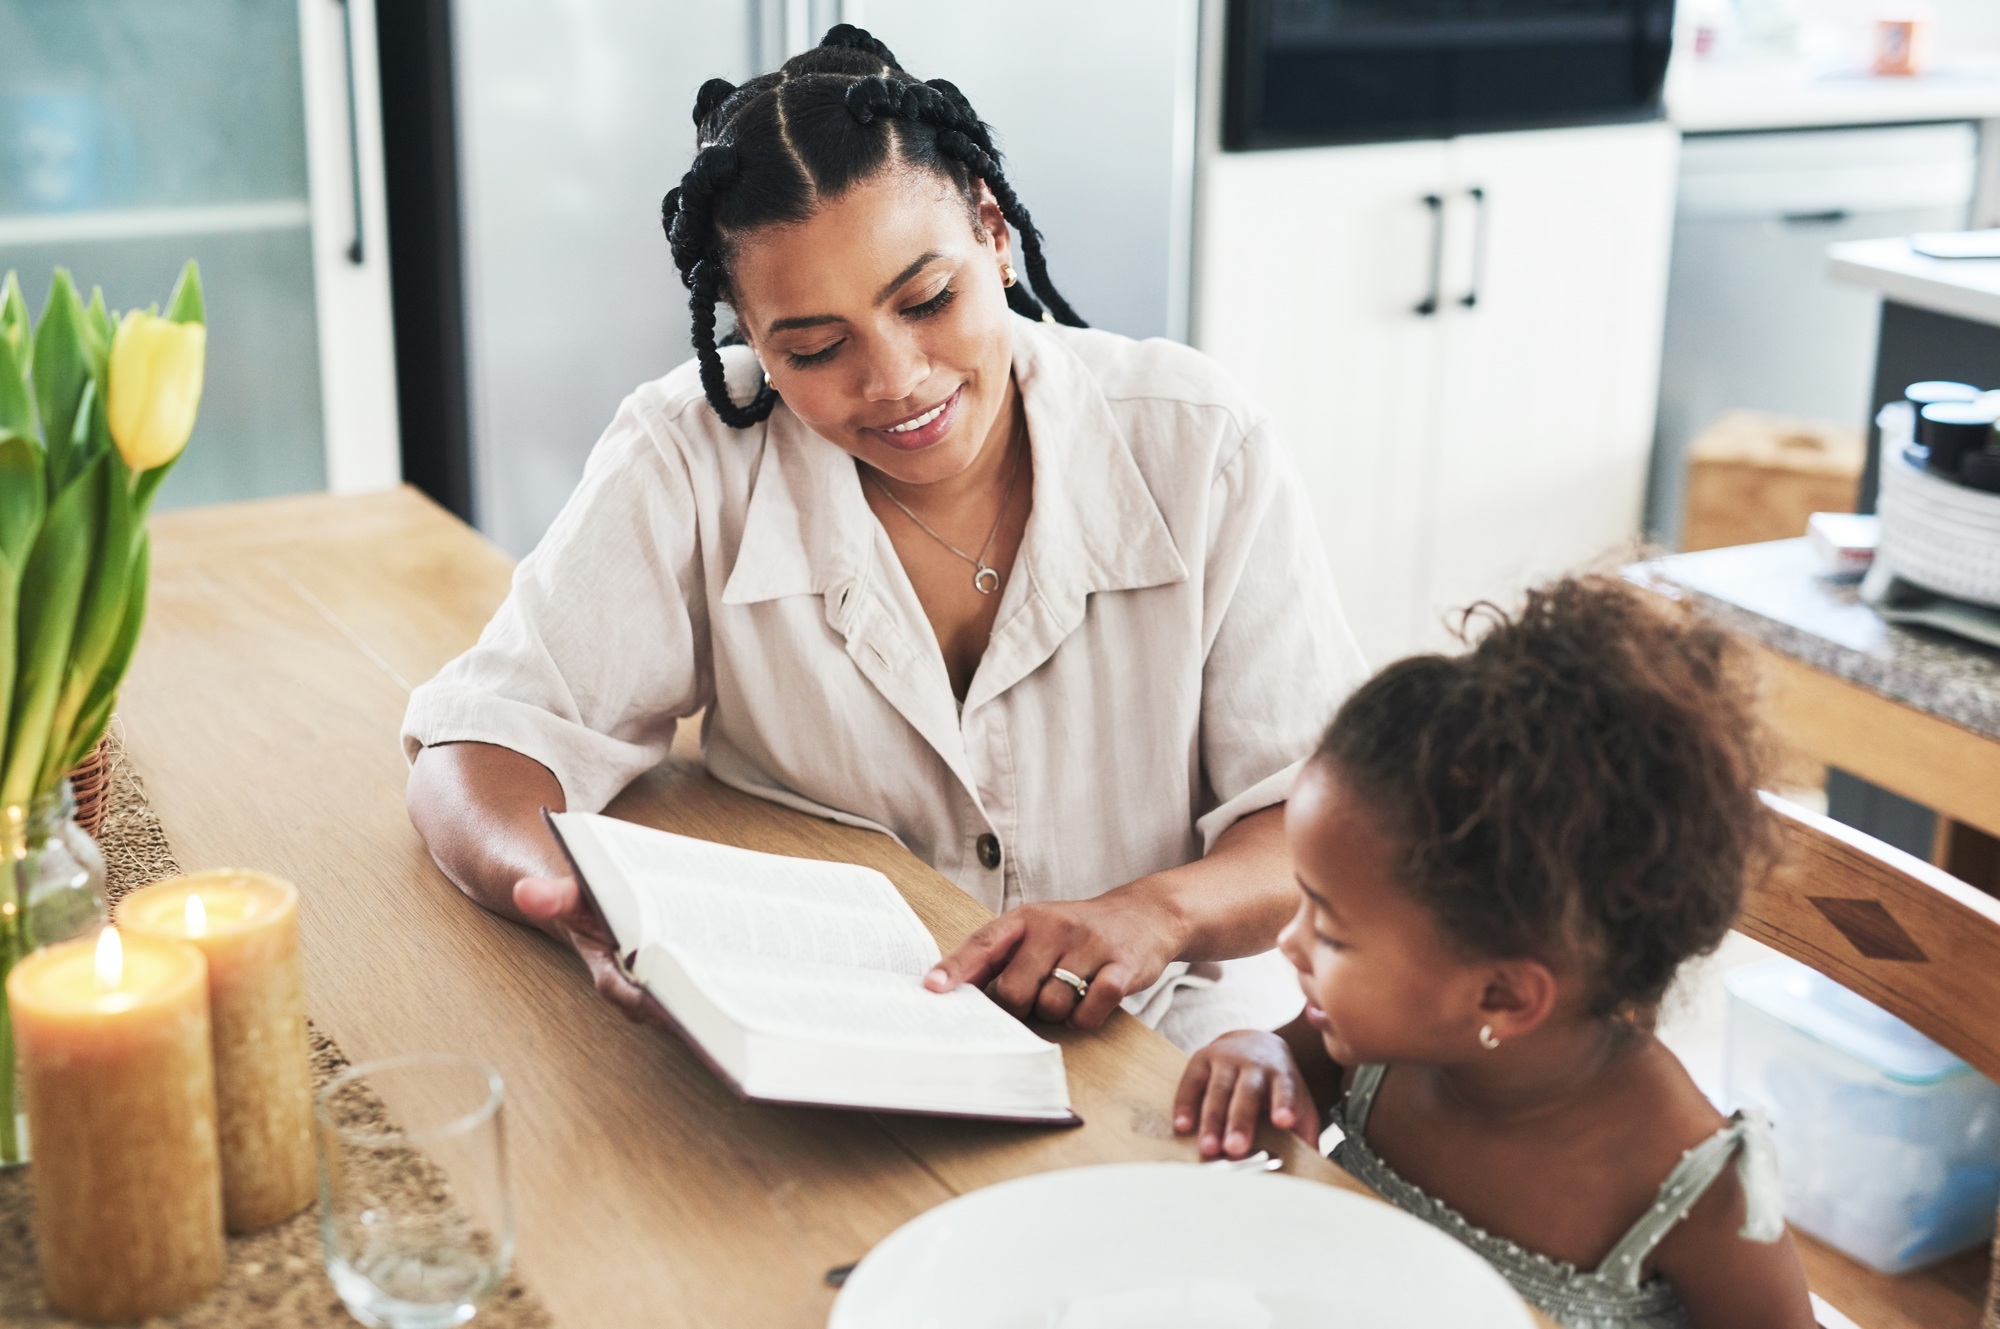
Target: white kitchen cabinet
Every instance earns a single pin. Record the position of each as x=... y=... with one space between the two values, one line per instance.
x=1459 y=339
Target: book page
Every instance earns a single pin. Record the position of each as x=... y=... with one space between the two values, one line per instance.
x=855 y=1006
x=718 y=898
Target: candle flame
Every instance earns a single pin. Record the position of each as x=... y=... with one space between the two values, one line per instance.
x=197 y=916
x=110 y=959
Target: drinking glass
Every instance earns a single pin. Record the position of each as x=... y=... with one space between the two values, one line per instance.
x=413 y=1189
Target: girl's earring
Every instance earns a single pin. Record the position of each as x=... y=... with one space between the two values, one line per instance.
x=767 y=378
x=1007 y=274
x=1486 y=1038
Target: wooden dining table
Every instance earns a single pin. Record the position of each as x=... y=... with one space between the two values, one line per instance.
x=262 y=713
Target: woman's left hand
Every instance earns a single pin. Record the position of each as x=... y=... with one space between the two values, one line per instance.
x=1119 y=943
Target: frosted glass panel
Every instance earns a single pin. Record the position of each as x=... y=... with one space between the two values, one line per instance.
x=143 y=103
x=136 y=134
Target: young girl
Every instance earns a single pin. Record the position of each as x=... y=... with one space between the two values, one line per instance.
x=1503 y=857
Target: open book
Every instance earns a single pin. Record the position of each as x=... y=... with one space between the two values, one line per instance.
x=801 y=981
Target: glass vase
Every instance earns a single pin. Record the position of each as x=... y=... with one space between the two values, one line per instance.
x=56 y=892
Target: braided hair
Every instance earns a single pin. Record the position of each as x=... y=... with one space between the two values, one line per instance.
x=772 y=150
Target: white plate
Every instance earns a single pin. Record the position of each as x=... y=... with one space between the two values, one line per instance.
x=1171 y=1246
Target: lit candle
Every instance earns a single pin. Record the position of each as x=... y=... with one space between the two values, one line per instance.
x=247 y=924
x=120 y=1092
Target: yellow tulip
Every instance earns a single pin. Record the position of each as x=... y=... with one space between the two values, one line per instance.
x=155 y=387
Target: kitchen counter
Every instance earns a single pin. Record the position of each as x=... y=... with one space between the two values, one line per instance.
x=1743 y=95
x=1773 y=594
x=1966 y=288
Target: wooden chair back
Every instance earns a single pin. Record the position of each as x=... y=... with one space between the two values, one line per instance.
x=1908 y=936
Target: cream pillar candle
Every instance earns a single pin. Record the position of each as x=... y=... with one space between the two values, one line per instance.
x=247 y=924
x=114 y=1051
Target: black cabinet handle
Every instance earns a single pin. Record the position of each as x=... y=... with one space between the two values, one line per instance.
x=1827 y=217
x=1478 y=196
x=354 y=251
x=1429 y=304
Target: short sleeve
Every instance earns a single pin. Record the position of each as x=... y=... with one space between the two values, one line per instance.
x=1280 y=657
x=601 y=645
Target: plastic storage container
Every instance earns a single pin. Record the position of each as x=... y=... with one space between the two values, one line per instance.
x=1888 y=1144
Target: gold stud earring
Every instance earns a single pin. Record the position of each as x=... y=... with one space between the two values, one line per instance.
x=1486 y=1038
x=1007 y=274
x=767 y=379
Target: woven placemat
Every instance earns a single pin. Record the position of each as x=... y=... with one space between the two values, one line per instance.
x=275 y=1277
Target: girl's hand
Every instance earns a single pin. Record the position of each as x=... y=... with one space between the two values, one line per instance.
x=1118 y=943
x=555 y=905
x=1228 y=1086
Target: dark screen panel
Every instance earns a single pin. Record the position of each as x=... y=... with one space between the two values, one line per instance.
x=1339 y=71
x=1333 y=92
x=1546 y=81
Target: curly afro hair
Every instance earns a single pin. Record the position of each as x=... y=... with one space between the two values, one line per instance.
x=1580 y=786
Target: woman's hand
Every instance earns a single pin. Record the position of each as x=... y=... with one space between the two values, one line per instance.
x=479 y=808
x=1228 y=1087
x=1230 y=903
x=1117 y=944
x=555 y=905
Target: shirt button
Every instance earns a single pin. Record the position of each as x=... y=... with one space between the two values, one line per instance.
x=989 y=850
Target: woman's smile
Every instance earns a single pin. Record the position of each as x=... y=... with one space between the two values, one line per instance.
x=916 y=432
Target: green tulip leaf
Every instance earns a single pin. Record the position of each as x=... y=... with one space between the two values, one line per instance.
x=97 y=333
x=10 y=596
x=91 y=428
x=103 y=696
x=51 y=589
x=17 y=397
x=23 y=496
x=15 y=329
x=185 y=305
x=61 y=369
x=102 y=609
x=148 y=484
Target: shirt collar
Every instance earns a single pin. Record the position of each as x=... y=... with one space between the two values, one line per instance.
x=1095 y=525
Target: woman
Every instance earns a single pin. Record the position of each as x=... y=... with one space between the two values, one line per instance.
x=1042 y=603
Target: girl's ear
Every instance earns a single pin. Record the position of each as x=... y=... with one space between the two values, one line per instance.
x=1518 y=997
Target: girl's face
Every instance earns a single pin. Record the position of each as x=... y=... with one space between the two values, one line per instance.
x=881 y=319
x=1382 y=982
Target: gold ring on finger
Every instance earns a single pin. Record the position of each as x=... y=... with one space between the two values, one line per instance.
x=1082 y=985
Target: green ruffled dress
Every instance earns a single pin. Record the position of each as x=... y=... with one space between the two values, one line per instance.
x=1611 y=1296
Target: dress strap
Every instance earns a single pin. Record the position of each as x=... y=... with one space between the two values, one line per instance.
x=1747 y=1139
x=1360 y=1098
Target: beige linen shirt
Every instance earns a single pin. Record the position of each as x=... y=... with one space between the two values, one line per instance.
x=1167 y=650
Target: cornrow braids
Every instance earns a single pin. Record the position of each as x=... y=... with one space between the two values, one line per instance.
x=773 y=149
x=961 y=136
x=687 y=214
x=845 y=36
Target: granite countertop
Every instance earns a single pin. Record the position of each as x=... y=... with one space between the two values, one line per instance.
x=1774 y=594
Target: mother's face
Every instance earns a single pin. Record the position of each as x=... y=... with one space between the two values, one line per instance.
x=882 y=321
